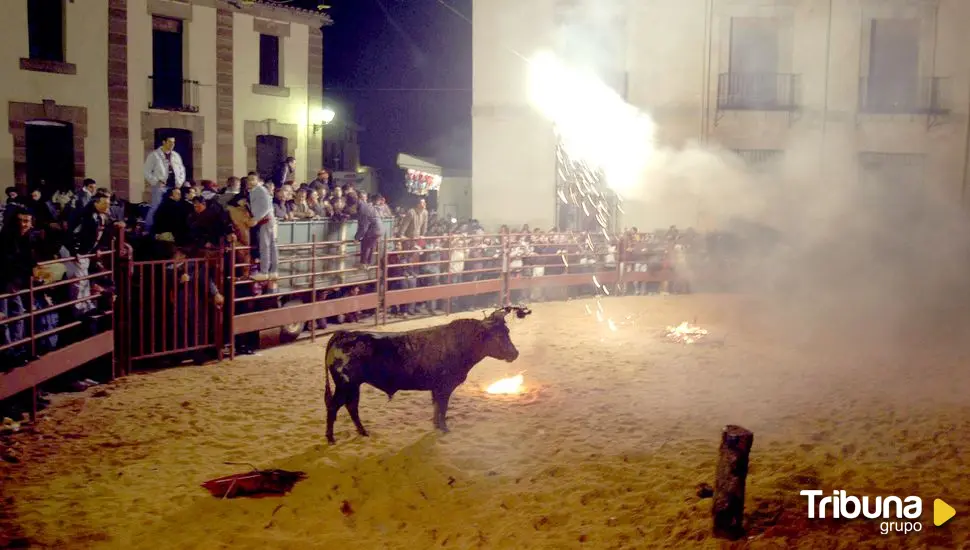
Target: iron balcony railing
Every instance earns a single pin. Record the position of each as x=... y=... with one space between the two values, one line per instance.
x=758 y=91
x=173 y=94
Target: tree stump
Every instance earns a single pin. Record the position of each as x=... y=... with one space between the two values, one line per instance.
x=729 y=482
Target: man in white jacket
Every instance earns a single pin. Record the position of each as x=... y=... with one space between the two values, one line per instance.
x=163 y=169
x=261 y=205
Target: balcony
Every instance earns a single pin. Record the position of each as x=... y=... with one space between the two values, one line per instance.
x=173 y=94
x=888 y=96
x=757 y=92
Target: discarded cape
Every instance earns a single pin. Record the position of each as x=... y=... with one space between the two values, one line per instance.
x=254 y=484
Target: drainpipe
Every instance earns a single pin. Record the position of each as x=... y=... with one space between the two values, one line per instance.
x=706 y=76
x=825 y=96
x=966 y=161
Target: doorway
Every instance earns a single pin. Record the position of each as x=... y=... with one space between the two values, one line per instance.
x=270 y=153
x=50 y=156
x=183 y=146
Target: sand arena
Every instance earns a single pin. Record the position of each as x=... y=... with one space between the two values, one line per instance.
x=624 y=426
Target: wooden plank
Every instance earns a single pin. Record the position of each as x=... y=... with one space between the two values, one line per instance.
x=55 y=363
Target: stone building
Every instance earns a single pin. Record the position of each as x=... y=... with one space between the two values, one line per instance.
x=92 y=86
x=870 y=92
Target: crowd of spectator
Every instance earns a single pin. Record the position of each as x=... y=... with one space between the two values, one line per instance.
x=191 y=220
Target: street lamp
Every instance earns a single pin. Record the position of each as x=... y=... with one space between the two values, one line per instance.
x=321 y=117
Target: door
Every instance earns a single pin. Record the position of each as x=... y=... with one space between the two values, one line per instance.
x=167 y=86
x=270 y=153
x=50 y=156
x=183 y=146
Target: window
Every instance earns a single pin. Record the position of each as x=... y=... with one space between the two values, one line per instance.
x=893 y=80
x=269 y=60
x=45 y=30
x=168 y=86
x=753 y=79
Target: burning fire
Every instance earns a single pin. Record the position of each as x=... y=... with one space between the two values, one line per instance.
x=685 y=333
x=507 y=386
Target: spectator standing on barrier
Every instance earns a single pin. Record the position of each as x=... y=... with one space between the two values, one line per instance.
x=369 y=231
x=285 y=172
x=415 y=222
x=163 y=170
x=261 y=206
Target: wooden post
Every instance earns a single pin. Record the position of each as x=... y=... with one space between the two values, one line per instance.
x=729 y=482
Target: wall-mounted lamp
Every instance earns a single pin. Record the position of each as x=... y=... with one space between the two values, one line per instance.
x=321 y=117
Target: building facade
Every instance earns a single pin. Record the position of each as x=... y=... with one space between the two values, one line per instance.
x=92 y=87
x=867 y=92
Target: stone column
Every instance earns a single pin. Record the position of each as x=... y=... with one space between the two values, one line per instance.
x=118 y=97
x=225 y=158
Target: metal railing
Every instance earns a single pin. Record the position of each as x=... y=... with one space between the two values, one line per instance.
x=189 y=305
x=173 y=94
x=758 y=91
x=64 y=318
x=894 y=96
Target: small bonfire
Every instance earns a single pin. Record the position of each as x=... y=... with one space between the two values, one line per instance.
x=686 y=333
x=507 y=386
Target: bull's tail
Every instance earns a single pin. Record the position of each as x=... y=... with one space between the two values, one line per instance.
x=327 y=362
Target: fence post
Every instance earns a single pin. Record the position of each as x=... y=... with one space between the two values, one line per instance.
x=220 y=313
x=230 y=295
x=505 y=297
x=380 y=315
x=313 y=283
x=122 y=306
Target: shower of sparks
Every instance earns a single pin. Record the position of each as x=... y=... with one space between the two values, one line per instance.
x=601 y=140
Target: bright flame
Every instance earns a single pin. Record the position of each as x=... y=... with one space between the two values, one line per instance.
x=595 y=124
x=686 y=333
x=507 y=386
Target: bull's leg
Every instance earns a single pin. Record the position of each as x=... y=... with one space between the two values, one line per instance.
x=353 y=401
x=441 y=398
x=338 y=400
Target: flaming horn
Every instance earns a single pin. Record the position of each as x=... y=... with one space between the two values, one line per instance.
x=520 y=312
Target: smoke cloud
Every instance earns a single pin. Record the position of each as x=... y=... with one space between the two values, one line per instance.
x=881 y=261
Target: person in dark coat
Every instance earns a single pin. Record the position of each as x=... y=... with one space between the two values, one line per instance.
x=369 y=231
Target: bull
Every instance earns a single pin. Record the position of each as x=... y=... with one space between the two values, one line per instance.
x=436 y=359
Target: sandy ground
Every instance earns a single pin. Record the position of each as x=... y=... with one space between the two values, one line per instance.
x=605 y=451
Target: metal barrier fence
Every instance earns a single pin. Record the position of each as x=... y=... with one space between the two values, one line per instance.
x=65 y=318
x=185 y=306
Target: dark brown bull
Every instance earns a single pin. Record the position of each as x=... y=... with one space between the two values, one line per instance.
x=435 y=359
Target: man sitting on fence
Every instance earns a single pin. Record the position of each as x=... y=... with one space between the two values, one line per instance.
x=261 y=205
x=163 y=170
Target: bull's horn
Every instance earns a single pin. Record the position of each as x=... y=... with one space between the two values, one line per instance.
x=500 y=313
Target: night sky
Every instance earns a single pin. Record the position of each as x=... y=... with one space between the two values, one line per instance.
x=404 y=70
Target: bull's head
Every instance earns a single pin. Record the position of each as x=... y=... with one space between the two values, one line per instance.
x=498 y=343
